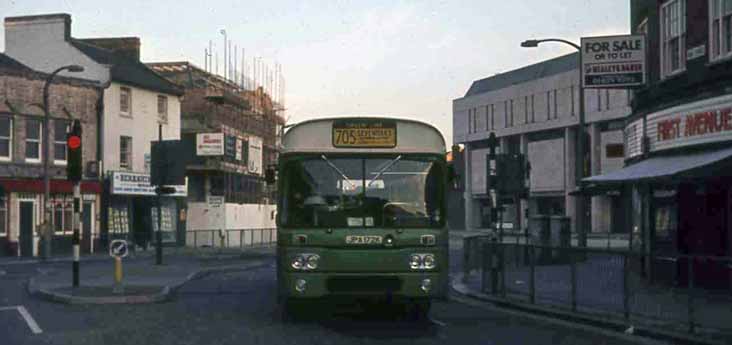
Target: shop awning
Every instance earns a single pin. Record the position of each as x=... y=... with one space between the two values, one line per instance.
x=686 y=165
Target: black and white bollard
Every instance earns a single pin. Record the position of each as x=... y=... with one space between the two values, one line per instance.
x=75 y=240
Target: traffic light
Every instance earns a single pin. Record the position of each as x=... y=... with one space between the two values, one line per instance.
x=73 y=153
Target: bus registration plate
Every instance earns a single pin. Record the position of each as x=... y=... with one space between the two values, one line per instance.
x=364 y=133
x=363 y=239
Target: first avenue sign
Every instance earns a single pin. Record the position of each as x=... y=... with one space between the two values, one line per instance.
x=695 y=123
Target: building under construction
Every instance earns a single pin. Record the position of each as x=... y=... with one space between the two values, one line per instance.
x=231 y=134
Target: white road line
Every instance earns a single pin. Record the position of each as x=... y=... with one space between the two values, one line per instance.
x=29 y=320
x=438 y=322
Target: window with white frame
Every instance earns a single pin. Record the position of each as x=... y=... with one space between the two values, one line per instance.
x=125 y=152
x=6 y=138
x=162 y=109
x=60 y=127
x=33 y=141
x=673 y=37
x=3 y=218
x=63 y=216
x=125 y=100
x=720 y=14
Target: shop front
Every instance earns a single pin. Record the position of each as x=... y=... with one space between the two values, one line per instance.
x=681 y=176
x=21 y=214
x=131 y=211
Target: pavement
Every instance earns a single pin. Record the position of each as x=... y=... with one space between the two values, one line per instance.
x=660 y=312
x=143 y=280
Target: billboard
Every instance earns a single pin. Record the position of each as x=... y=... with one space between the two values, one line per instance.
x=613 y=61
x=210 y=144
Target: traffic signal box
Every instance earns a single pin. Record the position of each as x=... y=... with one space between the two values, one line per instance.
x=73 y=153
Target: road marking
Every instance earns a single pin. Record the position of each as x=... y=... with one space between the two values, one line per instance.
x=29 y=320
x=438 y=322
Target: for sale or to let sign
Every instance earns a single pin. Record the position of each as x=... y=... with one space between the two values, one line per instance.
x=614 y=61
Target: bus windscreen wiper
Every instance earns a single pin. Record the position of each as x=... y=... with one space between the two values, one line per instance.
x=384 y=169
x=345 y=178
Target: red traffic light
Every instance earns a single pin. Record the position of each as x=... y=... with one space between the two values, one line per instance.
x=73 y=142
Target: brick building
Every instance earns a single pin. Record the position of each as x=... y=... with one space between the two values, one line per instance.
x=21 y=160
x=248 y=123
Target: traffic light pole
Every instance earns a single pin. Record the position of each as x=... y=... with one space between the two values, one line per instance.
x=75 y=240
x=159 y=234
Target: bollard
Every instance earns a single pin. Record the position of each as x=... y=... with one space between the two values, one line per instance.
x=118 y=288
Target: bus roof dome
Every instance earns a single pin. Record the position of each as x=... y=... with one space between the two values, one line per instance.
x=363 y=135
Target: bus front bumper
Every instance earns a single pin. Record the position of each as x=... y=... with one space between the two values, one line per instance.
x=407 y=285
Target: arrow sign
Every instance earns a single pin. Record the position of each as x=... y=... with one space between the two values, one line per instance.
x=118 y=248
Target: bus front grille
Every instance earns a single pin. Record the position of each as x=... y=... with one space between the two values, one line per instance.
x=363 y=284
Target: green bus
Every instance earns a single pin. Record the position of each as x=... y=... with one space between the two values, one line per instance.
x=362 y=213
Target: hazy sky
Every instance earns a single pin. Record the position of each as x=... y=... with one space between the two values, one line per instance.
x=398 y=58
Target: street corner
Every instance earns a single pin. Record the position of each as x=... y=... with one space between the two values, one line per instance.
x=129 y=294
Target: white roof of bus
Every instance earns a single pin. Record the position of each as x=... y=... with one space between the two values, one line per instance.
x=315 y=136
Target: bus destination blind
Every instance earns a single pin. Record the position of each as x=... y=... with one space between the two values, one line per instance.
x=364 y=133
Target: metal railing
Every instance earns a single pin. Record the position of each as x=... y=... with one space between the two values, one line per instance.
x=685 y=293
x=230 y=238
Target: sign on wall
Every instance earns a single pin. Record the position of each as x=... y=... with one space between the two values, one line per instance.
x=613 y=61
x=230 y=146
x=254 y=164
x=210 y=144
x=128 y=183
x=695 y=123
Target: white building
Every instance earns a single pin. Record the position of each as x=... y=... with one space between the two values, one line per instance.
x=534 y=111
x=136 y=101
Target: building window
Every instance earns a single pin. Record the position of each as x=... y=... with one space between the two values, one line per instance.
x=487 y=117
x=475 y=120
x=505 y=114
x=548 y=105
x=571 y=92
x=63 y=216
x=511 y=113
x=533 y=113
x=125 y=101
x=673 y=40
x=3 y=218
x=125 y=152
x=721 y=29
x=163 y=109
x=33 y=141
x=526 y=109
x=493 y=117
x=6 y=138
x=614 y=151
x=607 y=99
x=643 y=26
x=60 y=127
x=555 y=104
x=599 y=100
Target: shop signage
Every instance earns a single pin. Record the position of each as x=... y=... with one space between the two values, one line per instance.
x=633 y=134
x=230 y=146
x=239 y=146
x=128 y=183
x=255 y=155
x=613 y=61
x=690 y=124
x=210 y=144
x=215 y=201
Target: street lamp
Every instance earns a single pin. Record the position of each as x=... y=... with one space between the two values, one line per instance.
x=579 y=160
x=46 y=178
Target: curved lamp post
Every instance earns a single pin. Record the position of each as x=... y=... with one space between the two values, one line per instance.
x=45 y=157
x=580 y=153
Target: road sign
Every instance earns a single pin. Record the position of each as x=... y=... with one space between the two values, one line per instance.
x=118 y=249
x=614 y=61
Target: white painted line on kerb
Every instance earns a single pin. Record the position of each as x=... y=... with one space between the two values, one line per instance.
x=29 y=320
x=438 y=322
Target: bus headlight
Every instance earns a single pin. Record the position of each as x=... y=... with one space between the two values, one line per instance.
x=298 y=262
x=428 y=261
x=415 y=261
x=312 y=261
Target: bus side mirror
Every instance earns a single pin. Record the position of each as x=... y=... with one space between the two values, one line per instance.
x=270 y=175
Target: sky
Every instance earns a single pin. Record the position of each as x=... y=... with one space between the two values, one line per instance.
x=407 y=59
